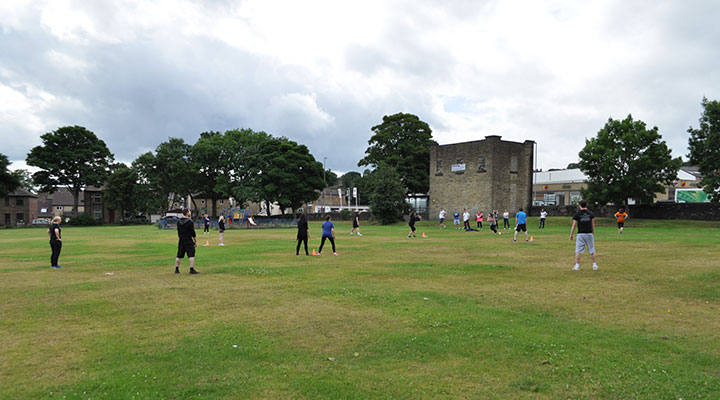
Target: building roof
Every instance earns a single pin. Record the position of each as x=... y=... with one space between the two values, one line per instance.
x=20 y=192
x=62 y=197
x=575 y=176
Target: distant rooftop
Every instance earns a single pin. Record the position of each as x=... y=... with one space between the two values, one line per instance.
x=575 y=176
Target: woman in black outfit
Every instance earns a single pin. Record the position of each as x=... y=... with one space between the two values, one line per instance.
x=302 y=235
x=413 y=217
x=55 y=242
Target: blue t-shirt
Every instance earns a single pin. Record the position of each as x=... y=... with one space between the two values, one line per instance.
x=521 y=218
x=456 y=215
x=327 y=228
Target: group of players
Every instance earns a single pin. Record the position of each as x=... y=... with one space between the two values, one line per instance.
x=583 y=221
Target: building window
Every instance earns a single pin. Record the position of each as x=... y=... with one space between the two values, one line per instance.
x=59 y=208
x=575 y=197
x=481 y=164
x=202 y=202
x=97 y=199
x=19 y=201
x=97 y=213
x=19 y=218
x=513 y=164
x=438 y=167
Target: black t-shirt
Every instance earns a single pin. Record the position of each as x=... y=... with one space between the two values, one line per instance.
x=413 y=218
x=185 y=229
x=52 y=232
x=221 y=224
x=302 y=229
x=584 y=219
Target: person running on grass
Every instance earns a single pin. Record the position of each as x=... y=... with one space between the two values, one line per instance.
x=493 y=222
x=456 y=219
x=206 y=220
x=466 y=219
x=303 y=234
x=413 y=218
x=506 y=219
x=221 y=229
x=186 y=242
x=356 y=223
x=584 y=221
x=328 y=233
x=621 y=216
x=478 y=219
x=55 y=242
x=543 y=215
x=441 y=217
x=520 y=224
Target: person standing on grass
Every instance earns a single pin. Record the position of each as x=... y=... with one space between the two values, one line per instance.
x=186 y=242
x=506 y=219
x=621 y=216
x=413 y=218
x=441 y=217
x=466 y=219
x=478 y=219
x=584 y=221
x=303 y=234
x=356 y=223
x=328 y=233
x=55 y=242
x=456 y=219
x=206 y=221
x=520 y=224
x=492 y=218
x=543 y=215
x=221 y=228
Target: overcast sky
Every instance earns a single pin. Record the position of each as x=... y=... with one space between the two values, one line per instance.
x=323 y=73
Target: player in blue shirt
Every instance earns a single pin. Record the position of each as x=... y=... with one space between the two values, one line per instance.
x=520 y=224
x=456 y=219
x=329 y=234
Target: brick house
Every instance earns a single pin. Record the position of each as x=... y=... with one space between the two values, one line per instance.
x=18 y=208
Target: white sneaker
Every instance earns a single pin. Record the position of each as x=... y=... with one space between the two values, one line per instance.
x=351 y=233
x=576 y=268
x=221 y=244
x=359 y=234
x=595 y=267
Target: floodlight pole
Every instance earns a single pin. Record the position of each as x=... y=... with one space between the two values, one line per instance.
x=324 y=187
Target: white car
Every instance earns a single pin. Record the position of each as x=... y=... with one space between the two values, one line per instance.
x=40 y=221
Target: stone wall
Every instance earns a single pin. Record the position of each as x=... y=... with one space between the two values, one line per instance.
x=691 y=211
x=497 y=175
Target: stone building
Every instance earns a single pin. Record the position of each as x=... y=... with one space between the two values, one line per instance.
x=481 y=175
x=18 y=208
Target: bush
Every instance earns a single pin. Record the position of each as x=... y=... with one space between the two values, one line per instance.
x=83 y=220
x=344 y=214
x=387 y=195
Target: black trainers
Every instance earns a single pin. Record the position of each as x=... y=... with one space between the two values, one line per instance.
x=193 y=271
x=177 y=270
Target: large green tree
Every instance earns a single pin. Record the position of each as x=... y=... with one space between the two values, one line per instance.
x=8 y=181
x=121 y=190
x=388 y=196
x=71 y=156
x=173 y=171
x=704 y=146
x=626 y=160
x=26 y=180
x=290 y=174
x=209 y=157
x=402 y=141
x=244 y=152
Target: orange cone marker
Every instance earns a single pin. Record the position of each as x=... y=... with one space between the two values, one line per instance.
x=532 y=239
x=424 y=235
x=207 y=243
x=314 y=253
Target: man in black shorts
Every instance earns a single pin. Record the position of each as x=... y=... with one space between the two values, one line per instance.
x=186 y=242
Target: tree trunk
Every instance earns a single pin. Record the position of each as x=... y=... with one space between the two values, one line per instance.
x=214 y=207
x=192 y=199
x=76 y=200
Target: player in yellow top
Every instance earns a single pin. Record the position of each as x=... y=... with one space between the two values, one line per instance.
x=621 y=216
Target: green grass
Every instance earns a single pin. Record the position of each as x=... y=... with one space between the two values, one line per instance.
x=453 y=315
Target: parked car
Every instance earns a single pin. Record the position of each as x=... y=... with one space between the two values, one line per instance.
x=169 y=220
x=40 y=221
x=138 y=219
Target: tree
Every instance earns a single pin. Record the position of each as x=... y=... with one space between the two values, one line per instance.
x=172 y=171
x=150 y=196
x=626 y=160
x=331 y=178
x=25 y=178
x=573 y=165
x=70 y=156
x=704 y=146
x=388 y=196
x=245 y=159
x=121 y=190
x=8 y=181
x=290 y=174
x=209 y=159
x=403 y=142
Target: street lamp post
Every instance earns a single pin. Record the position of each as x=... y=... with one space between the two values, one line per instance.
x=325 y=182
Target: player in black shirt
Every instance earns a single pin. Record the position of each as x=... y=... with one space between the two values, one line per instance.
x=186 y=242
x=55 y=242
x=584 y=220
x=303 y=234
x=413 y=218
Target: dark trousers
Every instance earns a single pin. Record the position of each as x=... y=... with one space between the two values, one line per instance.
x=322 y=243
x=207 y=228
x=56 y=246
x=506 y=222
x=301 y=240
x=542 y=223
x=479 y=224
x=466 y=224
x=493 y=227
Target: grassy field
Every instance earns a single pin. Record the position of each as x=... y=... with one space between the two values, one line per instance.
x=454 y=315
